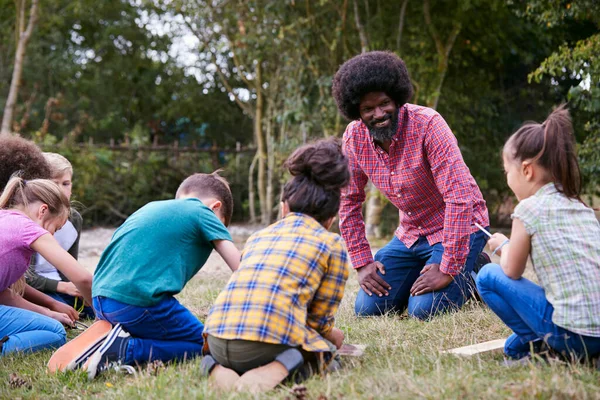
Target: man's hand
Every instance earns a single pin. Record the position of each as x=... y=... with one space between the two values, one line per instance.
x=370 y=282
x=68 y=288
x=431 y=279
x=63 y=308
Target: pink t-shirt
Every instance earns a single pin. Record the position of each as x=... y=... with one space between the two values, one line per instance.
x=17 y=232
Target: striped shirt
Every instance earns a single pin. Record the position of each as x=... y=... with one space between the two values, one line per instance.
x=424 y=176
x=287 y=289
x=565 y=252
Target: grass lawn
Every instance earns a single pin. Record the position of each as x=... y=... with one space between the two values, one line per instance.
x=402 y=361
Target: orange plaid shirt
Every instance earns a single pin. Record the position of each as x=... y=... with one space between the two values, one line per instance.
x=287 y=289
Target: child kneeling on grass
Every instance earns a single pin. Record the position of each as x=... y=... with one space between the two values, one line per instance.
x=561 y=234
x=42 y=275
x=277 y=311
x=149 y=259
x=30 y=213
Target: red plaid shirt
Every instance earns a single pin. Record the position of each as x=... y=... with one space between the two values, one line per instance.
x=424 y=176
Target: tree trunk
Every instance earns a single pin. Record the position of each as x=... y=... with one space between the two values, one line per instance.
x=362 y=34
x=251 y=204
x=375 y=206
x=270 y=162
x=260 y=147
x=443 y=52
x=15 y=82
x=401 y=26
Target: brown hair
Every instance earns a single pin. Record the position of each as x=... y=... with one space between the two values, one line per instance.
x=21 y=193
x=551 y=145
x=18 y=154
x=209 y=185
x=319 y=172
x=58 y=164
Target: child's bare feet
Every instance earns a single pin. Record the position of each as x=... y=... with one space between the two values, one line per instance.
x=268 y=376
x=263 y=378
x=219 y=376
x=223 y=378
x=336 y=336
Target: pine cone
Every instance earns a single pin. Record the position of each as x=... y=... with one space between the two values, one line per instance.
x=15 y=382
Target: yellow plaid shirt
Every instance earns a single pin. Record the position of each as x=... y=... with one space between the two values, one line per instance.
x=287 y=289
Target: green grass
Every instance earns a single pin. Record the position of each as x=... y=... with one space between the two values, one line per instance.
x=402 y=361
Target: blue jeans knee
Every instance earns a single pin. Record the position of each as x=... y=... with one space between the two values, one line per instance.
x=421 y=307
x=487 y=275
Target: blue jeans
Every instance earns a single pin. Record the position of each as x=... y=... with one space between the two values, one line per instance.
x=29 y=331
x=403 y=267
x=166 y=331
x=522 y=305
x=87 y=312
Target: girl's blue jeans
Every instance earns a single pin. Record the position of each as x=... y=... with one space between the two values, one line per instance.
x=522 y=306
x=29 y=331
x=403 y=266
x=165 y=331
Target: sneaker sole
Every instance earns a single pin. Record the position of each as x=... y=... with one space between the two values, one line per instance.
x=91 y=365
x=70 y=356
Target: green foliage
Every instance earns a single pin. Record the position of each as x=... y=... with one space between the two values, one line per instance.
x=109 y=185
x=573 y=71
x=106 y=69
x=116 y=70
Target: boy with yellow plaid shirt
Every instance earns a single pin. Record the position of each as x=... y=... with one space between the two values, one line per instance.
x=276 y=314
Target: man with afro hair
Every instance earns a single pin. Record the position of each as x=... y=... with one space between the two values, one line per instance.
x=412 y=157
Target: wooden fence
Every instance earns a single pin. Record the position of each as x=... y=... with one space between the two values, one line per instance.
x=173 y=147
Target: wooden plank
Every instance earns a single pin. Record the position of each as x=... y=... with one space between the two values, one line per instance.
x=478 y=348
x=352 y=350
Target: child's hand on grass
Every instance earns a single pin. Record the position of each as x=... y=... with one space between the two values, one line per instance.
x=68 y=288
x=63 y=308
x=60 y=317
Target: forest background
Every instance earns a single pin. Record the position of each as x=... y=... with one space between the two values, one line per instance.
x=139 y=94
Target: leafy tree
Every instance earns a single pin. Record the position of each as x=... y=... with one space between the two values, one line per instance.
x=572 y=71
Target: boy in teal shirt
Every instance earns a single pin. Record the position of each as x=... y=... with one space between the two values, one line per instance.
x=150 y=258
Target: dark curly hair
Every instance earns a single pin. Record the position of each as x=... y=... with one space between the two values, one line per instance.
x=18 y=154
x=375 y=71
x=319 y=172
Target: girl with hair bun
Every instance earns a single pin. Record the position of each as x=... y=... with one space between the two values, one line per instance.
x=560 y=233
x=275 y=317
x=30 y=213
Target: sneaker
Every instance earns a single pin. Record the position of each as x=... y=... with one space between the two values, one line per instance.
x=73 y=354
x=110 y=354
x=482 y=259
x=2 y=341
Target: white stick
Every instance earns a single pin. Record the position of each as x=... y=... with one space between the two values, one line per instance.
x=482 y=229
x=473 y=349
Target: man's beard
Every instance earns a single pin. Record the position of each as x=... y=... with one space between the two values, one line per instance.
x=385 y=133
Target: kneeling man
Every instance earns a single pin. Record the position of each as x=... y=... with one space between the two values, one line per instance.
x=412 y=157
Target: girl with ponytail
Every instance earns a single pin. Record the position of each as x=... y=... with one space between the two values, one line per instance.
x=561 y=235
x=30 y=213
x=275 y=317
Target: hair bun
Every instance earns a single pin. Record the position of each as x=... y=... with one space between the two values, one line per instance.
x=322 y=162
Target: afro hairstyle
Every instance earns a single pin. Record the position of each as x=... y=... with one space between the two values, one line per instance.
x=375 y=71
x=18 y=154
